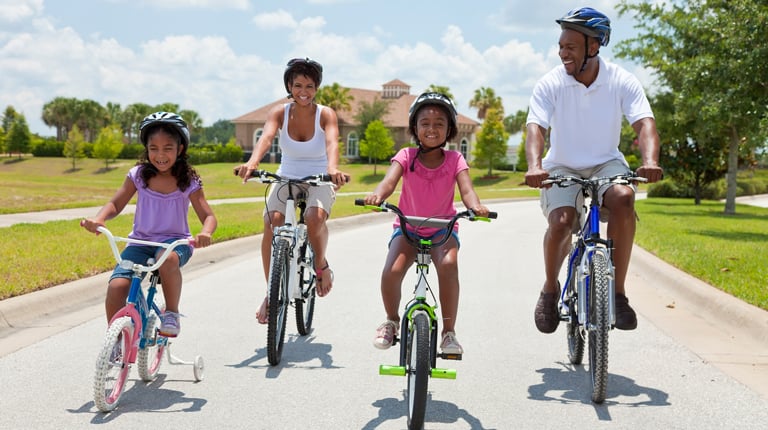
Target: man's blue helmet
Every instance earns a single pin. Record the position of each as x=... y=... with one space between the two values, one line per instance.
x=588 y=21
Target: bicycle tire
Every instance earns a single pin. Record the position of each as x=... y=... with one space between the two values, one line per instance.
x=278 y=301
x=305 y=306
x=418 y=370
x=573 y=330
x=149 y=358
x=601 y=325
x=111 y=375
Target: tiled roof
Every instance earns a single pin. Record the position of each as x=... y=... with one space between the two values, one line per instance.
x=396 y=117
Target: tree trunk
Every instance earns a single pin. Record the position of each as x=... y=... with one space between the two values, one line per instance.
x=733 y=167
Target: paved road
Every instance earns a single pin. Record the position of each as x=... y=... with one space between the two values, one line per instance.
x=511 y=376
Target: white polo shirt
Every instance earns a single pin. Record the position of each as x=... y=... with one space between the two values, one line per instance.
x=586 y=122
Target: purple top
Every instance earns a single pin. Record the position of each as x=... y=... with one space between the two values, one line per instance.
x=160 y=217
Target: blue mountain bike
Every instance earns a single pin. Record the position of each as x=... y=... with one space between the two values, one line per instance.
x=587 y=299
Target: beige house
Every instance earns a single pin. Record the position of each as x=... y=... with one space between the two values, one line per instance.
x=248 y=127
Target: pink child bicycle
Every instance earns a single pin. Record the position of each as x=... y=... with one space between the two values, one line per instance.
x=132 y=336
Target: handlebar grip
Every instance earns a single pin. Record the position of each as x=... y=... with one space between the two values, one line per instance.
x=359 y=202
x=327 y=178
x=493 y=215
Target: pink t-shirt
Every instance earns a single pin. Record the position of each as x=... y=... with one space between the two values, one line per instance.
x=429 y=192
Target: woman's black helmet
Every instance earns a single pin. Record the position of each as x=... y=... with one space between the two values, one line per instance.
x=302 y=66
x=164 y=118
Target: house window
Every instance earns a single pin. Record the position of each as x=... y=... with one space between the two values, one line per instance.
x=353 y=145
x=464 y=148
x=275 y=148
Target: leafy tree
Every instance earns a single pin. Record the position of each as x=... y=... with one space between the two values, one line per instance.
x=59 y=113
x=109 y=144
x=491 y=147
x=440 y=89
x=18 y=138
x=133 y=114
x=193 y=120
x=335 y=97
x=485 y=99
x=378 y=143
x=219 y=132
x=90 y=117
x=369 y=112
x=74 y=147
x=712 y=55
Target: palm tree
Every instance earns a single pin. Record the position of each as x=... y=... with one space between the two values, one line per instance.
x=440 y=89
x=335 y=97
x=58 y=113
x=193 y=120
x=484 y=99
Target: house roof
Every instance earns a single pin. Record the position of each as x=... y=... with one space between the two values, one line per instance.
x=396 y=117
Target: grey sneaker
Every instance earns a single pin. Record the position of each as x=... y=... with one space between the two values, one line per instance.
x=450 y=345
x=170 y=326
x=385 y=334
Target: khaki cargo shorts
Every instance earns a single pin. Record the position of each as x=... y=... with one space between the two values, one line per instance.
x=321 y=197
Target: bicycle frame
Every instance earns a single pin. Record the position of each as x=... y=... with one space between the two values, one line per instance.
x=137 y=306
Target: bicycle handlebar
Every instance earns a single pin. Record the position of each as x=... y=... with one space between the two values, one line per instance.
x=142 y=268
x=267 y=177
x=433 y=222
x=568 y=180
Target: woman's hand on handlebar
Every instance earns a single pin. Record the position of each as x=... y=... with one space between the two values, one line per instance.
x=244 y=170
x=338 y=177
x=202 y=240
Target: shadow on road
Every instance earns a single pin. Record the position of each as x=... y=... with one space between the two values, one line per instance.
x=438 y=412
x=298 y=352
x=572 y=384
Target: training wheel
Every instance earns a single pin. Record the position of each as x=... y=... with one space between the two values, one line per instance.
x=198 y=367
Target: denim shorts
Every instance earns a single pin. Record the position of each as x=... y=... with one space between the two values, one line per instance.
x=141 y=253
x=439 y=235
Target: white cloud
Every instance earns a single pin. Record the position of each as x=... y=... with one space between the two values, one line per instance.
x=17 y=10
x=275 y=20
x=209 y=4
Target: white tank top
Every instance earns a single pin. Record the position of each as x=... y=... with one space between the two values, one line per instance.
x=302 y=158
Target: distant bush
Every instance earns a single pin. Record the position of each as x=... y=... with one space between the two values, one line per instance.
x=131 y=151
x=48 y=148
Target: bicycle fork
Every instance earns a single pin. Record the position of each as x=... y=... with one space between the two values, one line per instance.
x=584 y=282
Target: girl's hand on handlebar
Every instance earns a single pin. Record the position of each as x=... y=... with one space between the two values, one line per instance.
x=202 y=240
x=373 y=199
x=91 y=225
x=480 y=210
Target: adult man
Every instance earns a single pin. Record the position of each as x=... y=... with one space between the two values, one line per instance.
x=583 y=102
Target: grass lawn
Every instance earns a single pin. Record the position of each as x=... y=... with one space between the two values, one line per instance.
x=725 y=251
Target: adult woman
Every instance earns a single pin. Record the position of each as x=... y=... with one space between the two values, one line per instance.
x=308 y=136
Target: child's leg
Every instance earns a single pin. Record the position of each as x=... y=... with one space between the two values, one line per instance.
x=445 y=259
x=170 y=276
x=117 y=293
x=399 y=260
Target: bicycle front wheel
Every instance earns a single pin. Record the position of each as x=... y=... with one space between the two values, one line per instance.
x=305 y=306
x=278 y=301
x=150 y=357
x=111 y=365
x=600 y=326
x=418 y=370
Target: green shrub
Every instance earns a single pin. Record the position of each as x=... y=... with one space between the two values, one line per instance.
x=49 y=148
x=131 y=151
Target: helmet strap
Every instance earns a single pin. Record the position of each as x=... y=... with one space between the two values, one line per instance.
x=424 y=151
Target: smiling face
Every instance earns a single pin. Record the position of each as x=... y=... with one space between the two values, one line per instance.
x=432 y=126
x=572 y=50
x=303 y=89
x=163 y=149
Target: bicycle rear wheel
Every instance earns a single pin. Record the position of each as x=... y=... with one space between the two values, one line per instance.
x=305 y=306
x=418 y=370
x=111 y=366
x=278 y=301
x=150 y=357
x=600 y=326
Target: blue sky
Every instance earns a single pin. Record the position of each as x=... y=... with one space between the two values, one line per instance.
x=224 y=58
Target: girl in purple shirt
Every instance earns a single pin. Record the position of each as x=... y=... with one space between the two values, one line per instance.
x=430 y=175
x=166 y=185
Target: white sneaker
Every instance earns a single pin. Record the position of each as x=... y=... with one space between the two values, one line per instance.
x=169 y=325
x=450 y=345
x=385 y=335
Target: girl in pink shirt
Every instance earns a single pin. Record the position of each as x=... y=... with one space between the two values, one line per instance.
x=430 y=175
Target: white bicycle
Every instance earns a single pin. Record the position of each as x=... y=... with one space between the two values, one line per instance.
x=292 y=263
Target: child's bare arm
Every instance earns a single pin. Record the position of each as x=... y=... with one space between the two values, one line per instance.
x=468 y=195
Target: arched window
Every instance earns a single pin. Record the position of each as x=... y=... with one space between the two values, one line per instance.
x=353 y=145
x=464 y=148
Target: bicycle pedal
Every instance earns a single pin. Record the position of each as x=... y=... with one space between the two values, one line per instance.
x=391 y=370
x=445 y=356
